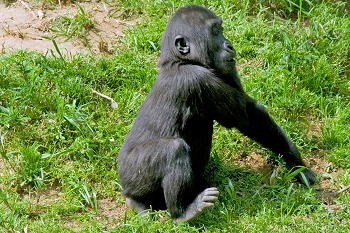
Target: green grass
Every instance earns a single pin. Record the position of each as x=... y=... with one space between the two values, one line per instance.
x=60 y=141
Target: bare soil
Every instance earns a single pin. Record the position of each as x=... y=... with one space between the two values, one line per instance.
x=23 y=26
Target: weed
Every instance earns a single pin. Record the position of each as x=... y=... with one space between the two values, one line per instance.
x=31 y=171
x=89 y=197
x=75 y=26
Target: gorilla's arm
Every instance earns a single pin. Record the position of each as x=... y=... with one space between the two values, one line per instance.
x=232 y=107
x=263 y=129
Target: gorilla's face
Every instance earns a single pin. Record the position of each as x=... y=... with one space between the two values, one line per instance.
x=221 y=51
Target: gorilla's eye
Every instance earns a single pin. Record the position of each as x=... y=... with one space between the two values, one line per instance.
x=216 y=30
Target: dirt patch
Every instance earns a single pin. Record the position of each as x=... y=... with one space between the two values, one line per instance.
x=24 y=26
x=329 y=183
x=329 y=177
x=315 y=127
x=111 y=212
x=255 y=162
x=328 y=173
x=110 y=215
x=46 y=197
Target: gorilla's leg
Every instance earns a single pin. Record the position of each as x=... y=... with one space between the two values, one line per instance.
x=183 y=199
x=169 y=161
x=203 y=201
x=263 y=129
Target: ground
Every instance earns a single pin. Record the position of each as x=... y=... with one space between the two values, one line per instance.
x=24 y=26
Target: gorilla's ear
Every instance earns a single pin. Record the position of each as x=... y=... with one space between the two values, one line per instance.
x=182 y=45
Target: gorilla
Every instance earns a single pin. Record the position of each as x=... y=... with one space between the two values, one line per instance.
x=162 y=160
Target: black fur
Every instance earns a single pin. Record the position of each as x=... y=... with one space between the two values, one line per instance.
x=162 y=160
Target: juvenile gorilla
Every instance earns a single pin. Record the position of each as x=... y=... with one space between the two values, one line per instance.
x=162 y=160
